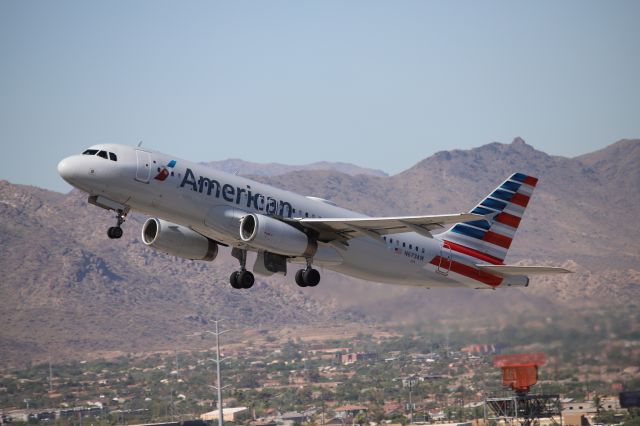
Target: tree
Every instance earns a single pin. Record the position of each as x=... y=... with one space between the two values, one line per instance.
x=607 y=417
x=360 y=418
x=376 y=413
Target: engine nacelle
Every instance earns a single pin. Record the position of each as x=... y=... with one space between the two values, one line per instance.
x=275 y=236
x=178 y=240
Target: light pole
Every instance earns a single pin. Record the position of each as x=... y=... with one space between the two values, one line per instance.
x=410 y=402
x=217 y=360
x=411 y=381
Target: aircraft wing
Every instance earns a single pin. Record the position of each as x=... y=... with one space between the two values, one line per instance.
x=342 y=229
x=506 y=270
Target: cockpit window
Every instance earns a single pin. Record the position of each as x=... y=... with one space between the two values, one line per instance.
x=102 y=154
x=113 y=157
x=90 y=152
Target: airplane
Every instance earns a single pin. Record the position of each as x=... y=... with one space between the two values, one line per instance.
x=195 y=209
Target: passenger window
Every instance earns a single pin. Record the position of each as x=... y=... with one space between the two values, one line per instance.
x=102 y=154
x=306 y=214
x=404 y=244
x=90 y=152
x=411 y=246
x=391 y=240
x=113 y=157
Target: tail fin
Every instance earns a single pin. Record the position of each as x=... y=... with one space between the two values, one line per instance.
x=490 y=239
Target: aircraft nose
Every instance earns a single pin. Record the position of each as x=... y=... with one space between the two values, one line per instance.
x=68 y=169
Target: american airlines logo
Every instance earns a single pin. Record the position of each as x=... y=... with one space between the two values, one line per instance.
x=235 y=194
x=164 y=173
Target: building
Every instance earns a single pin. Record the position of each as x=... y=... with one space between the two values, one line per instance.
x=451 y=424
x=574 y=413
x=347 y=411
x=293 y=417
x=482 y=349
x=263 y=422
x=231 y=414
x=352 y=357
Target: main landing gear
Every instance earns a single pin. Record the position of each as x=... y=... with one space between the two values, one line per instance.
x=115 y=232
x=308 y=277
x=241 y=278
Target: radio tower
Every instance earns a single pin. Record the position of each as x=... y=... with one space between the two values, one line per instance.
x=520 y=373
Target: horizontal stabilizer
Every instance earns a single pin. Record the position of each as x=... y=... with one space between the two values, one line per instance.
x=507 y=270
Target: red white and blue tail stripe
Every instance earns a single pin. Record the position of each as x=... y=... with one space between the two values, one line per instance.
x=488 y=240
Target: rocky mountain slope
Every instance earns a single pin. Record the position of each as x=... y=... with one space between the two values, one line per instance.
x=67 y=289
x=247 y=168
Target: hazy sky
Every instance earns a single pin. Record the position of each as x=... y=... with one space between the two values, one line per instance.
x=379 y=84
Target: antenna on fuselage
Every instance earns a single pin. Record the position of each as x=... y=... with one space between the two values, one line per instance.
x=139 y=144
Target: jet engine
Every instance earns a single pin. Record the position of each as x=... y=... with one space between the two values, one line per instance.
x=275 y=236
x=178 y=240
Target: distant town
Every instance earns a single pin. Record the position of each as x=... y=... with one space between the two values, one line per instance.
x=334 y=375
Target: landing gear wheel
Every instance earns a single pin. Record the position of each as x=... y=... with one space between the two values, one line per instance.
x=233 y=279
x=241 y=278
x=307 y=277
x=300 y=278
x=311 y=277
x=114 y=232
x=246 y=279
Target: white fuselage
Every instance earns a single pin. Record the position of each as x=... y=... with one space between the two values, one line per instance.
x=212 y=202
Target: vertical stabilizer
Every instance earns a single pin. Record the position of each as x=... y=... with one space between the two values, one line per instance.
x=489 y=240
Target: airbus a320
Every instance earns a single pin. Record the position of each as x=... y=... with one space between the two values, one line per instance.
x=195 y=209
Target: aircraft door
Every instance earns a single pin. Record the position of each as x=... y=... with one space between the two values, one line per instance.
x=444 y=266
x=143 y=168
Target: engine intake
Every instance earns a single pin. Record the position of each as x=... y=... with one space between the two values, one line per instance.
x=178 y=240
x=273 y=235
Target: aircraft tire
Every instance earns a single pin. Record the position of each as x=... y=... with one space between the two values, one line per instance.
x=311 y=277
x=234 y=281
x=300 y=278
x=114 y=232
x=246 y=279
x=117 y=232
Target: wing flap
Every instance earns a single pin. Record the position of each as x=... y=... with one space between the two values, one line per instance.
x=344 y=228
x=508 y=270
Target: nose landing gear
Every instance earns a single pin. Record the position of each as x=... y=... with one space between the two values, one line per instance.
x=242 y=278
x=115 y=232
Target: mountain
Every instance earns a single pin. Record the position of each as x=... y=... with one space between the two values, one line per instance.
x=247 y=168
x=67 y=290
